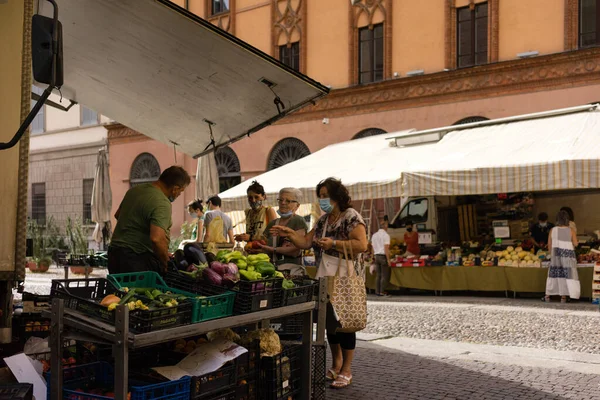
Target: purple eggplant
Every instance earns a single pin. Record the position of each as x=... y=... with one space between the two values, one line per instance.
x=219 y=268
x=212 y=277
x=232 y=269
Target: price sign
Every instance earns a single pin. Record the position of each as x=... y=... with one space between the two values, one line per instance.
x=425 y=238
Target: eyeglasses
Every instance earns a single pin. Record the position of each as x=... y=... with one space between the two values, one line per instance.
x=285 y=201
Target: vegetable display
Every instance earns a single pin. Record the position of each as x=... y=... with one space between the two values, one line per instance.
x=142 y=299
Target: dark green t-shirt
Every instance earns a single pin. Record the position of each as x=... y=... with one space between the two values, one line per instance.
x=143 y=205
x=296 y=223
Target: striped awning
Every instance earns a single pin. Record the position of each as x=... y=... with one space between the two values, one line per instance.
x=550 y=151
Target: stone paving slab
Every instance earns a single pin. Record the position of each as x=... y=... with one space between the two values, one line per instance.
x=382 y=374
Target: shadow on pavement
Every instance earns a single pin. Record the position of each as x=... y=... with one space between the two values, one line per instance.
x=381 y=374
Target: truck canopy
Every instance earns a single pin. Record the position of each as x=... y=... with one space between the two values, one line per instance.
x=159 y=69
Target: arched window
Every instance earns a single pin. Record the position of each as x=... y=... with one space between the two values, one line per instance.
x=286 y=151
x=144 y=169
x=228 y=166
x=369 y=132
x=470 y=120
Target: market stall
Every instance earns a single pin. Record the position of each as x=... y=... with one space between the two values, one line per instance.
x=480 y=279
x=484 y=158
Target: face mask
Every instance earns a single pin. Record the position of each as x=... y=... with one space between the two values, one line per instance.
x=256 y=204
x=543 y=224
x=409 y=229
x=325 y=205
x=285 y=215
x=194 y=215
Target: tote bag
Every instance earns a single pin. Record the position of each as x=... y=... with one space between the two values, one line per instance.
x=348 y=297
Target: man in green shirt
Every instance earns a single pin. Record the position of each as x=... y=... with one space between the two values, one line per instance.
x=141 y=238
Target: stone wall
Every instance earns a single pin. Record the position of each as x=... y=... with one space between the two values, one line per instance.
x=63 y=171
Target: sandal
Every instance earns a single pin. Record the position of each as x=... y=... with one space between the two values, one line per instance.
x=341 y=382
x=546 y=299
x=331 y=375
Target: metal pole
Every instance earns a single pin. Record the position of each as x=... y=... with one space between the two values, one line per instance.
x=56 y=347
x=306 y=363
x=121 y=351
x=321 y=311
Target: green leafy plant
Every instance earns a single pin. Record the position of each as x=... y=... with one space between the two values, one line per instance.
x=36 y=233
x=78 y=243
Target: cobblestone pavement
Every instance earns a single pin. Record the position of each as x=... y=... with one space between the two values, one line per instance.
x=522 y=323
x=381 y=374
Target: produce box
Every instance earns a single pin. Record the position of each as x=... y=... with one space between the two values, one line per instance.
x=227 y=395
x=84 y=295
x=27 y=325
x=292 y=325
x=17 y=391
x=248 y=363
x=209 y=305
x=302 y=293
x=224 y=379
x=205 y=307
x=251 y=296
x=95 y=381
x=280 y=375
x=246 y=390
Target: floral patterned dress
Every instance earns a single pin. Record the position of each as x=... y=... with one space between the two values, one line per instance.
x=339 y=230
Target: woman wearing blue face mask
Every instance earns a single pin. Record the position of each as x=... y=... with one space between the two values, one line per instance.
x=285 y=255
x=340 y=226
x=258 y=215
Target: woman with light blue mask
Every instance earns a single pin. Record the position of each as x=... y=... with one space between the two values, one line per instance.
x=286 y=256
x=339 y=227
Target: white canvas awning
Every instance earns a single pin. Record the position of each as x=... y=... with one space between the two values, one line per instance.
x=558 y=150
x=159 y=69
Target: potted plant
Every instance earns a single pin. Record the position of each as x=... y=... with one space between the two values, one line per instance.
x=40 y=261
x=78 y=245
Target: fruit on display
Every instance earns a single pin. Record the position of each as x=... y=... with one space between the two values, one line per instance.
x=517 y=257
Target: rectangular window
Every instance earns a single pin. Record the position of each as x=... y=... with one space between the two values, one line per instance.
x=219 y=6
x=472 y=35
x=38 y=125
x=88 y=186
x=290 y=56
x=88 y=117
x=38 y=203
x=370 y=54
x=589 y=19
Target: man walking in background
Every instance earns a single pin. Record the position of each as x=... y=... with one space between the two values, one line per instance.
x=141 y=238
x=218 y=225
x=381 y=248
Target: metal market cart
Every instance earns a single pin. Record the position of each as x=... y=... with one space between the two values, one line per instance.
x=70 y=324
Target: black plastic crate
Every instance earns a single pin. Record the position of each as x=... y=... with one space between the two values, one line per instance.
x=248 y=363
x=302 y=293
x=292 y=325
x=225 y=395
x=27 y=325
x=246 y=390
x=179 y=280
x=17 y=391
x=280 y=375
x=79 y=294
x=319 y=371
x=251 y=296
x=223 y=379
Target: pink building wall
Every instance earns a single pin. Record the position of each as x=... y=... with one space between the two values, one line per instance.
x=253 y=152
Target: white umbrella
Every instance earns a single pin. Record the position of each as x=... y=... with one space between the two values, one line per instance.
x=101 y=198
x=207 y=177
